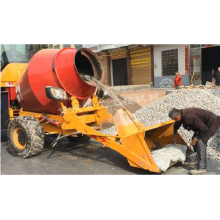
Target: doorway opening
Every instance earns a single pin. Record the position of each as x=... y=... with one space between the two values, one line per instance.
x=119 y=72
x=210 y=63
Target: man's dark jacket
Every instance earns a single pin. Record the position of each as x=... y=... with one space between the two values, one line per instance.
x=216 y=76
x=203 y=123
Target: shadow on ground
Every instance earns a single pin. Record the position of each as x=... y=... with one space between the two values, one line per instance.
x=92 y=150
x=82 y=158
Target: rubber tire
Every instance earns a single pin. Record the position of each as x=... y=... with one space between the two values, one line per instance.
x=80 y=138
x=33 y=133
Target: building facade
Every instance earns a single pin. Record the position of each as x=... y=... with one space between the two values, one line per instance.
x=143 y=64
x=169 y=59
x=125 y=64
x=129 y=64
x=204 y=61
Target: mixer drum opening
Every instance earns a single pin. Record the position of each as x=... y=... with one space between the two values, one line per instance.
x=86 y=63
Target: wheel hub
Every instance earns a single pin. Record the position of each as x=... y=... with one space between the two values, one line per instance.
x=19 y=138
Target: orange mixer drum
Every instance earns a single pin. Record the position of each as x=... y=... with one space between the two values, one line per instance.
x=61 y=69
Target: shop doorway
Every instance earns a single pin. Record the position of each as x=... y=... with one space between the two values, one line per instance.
x=210 y=62
x=119 y=72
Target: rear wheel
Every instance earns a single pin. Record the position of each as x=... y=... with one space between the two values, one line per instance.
x=25 y=137
x=79 y=138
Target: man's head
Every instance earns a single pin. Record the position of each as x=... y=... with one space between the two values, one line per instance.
x=219 y=69
x=177 y=73
x=175 y=114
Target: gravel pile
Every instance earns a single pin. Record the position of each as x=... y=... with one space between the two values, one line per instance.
x=157 y=112
x=166 y=83
x=215 y=92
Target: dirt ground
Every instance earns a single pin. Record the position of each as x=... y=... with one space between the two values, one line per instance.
x=143 y=98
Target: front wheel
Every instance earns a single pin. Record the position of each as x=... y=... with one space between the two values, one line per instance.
x=25 y=137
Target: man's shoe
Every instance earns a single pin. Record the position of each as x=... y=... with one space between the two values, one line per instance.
x=198 y=172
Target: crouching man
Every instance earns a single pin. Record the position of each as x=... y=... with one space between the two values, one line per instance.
x=203 y=123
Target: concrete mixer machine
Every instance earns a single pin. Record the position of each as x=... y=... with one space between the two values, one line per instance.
x=52 y=94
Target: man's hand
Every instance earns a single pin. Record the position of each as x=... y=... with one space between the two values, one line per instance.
x=194 y=141
x=174 y=139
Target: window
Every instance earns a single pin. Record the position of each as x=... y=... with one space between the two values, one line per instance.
x=197 y=46
x=194 y=45
x=57 y=46
x=66 y=45
x=78 y=46
x=17 y=53
x=169 y=62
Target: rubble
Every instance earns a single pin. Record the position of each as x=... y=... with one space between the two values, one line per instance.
x=166 y=83
x=157 y=112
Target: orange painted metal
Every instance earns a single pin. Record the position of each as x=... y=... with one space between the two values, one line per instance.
x=11 y=92
x=18 y=144
x=51 y=121
x=136 y=140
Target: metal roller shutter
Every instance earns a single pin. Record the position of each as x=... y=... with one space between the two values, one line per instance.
x=140 y=61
